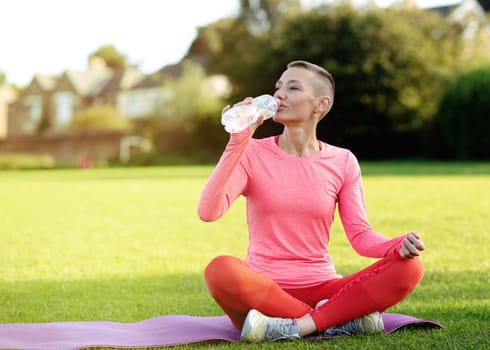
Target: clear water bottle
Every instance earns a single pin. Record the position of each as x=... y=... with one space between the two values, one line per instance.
x=239 y=118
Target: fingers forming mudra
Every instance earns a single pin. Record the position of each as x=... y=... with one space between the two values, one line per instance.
x=412 y=246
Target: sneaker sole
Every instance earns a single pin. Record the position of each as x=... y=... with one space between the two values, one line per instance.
x=372 y=323
x=247 y=334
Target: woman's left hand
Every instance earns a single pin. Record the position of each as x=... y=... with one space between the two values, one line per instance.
x=412 y=246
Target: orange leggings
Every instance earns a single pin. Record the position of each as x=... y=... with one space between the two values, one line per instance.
x=237 y=289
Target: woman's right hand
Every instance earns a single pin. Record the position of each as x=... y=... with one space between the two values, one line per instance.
x=244 y=102
x=412 y=246
x=257 y=123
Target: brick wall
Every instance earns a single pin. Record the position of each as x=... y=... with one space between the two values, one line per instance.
x=68 y=149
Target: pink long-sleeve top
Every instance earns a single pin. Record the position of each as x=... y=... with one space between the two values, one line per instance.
x=291 y=203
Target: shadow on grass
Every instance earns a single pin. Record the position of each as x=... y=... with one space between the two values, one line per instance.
x=448 y=297
x=459 y=300
x=108 y=299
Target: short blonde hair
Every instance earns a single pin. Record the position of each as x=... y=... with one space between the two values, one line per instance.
x=324 y=85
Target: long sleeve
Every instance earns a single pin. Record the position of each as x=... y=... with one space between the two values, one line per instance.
x=227 y=180
x=352 y=210
x=290 y=206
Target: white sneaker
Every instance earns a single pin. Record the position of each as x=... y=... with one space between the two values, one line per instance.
x=372 y=323
x=259 y=327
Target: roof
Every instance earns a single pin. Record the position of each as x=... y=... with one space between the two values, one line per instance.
x=123 y=79
x=464 y=5
x=485 y=4
x=443 y=10
x=89 y=82
x=156 y=79
x=46 y=82
x=92 y=82
x=170 y=71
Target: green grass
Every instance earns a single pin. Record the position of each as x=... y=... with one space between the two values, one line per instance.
x=126 y=245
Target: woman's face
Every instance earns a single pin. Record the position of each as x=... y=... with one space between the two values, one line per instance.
x=296 y=93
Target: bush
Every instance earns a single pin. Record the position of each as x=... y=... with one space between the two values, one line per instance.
x=100 y=118
x=26 y=161
x=181 y=140
x=461 y=128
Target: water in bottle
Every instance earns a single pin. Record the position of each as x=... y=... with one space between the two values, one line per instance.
x=239 y=118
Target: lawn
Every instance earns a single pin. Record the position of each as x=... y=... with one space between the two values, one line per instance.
x=126 y=245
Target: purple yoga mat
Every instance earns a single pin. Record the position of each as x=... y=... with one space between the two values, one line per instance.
x=154 y=332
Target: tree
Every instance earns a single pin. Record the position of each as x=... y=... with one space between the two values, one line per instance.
x=266 y=15
x=3 y=78
x=462 y=126
x=111 y=56
x=188 y=125
x=208 y=42
x=389 y=65
x=191 y=95
x=241 y=41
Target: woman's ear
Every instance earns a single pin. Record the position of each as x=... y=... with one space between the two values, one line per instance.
x=324 y=105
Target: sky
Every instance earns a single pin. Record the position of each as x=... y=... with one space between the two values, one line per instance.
x=50 y=36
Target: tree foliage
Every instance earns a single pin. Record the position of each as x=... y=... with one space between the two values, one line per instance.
x=390 y=66
x=462 y=127
x=192 y=94
x=266 y=15
x=188 y=126
x=208 y=43
x=242 y=41
x=111 y=56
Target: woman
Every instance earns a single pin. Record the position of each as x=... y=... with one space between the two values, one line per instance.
x=287 y=287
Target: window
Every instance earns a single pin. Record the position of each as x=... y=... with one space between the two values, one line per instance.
x=34 y=106
x=64 y=107
x=34 y=111
x=128 y=104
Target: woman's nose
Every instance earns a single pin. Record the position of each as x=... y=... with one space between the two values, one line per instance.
x=278 y=94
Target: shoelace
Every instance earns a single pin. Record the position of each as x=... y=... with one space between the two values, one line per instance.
x=278 y=329
x=347 y=328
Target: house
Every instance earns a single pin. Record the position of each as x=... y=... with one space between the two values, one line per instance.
x=471 y=14
x=149 y=97
x=49 y=103
x=464 y=6
x=7 y=96
x=39 y=120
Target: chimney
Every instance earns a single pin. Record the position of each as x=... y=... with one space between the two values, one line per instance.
x=97 y=64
